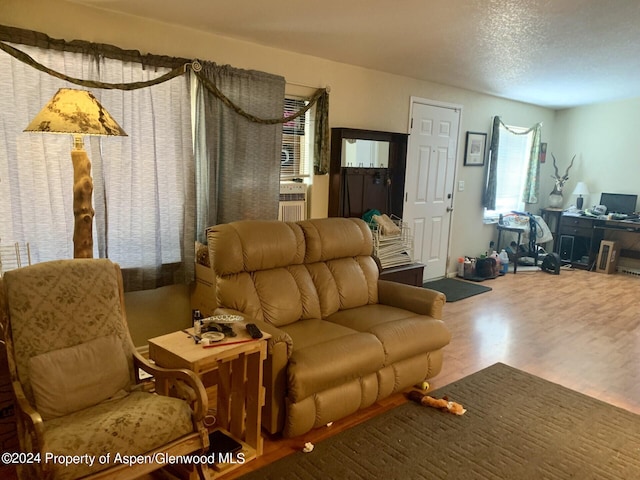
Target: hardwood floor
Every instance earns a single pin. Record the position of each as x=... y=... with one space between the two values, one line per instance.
x=579 y=329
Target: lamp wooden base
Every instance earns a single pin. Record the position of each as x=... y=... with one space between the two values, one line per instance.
x=82 y=207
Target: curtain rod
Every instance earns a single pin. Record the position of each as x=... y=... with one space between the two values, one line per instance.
x=327 y=88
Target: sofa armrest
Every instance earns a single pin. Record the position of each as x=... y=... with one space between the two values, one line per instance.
x=277 y=336
x=410 y=297
x=279 y=348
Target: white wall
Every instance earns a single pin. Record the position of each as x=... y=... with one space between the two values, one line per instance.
x=151 y=313
x=605 y=138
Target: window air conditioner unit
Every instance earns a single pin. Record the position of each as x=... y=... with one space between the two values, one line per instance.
x=293 y=202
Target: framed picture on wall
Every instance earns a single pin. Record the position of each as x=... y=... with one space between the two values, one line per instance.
x=543 y=152
x=475 y=148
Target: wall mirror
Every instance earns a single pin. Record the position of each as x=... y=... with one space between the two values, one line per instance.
x=363 y=153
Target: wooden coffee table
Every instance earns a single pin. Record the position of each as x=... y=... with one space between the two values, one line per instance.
x=240 y=394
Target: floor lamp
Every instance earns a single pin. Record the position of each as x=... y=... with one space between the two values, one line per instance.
x=78 y=112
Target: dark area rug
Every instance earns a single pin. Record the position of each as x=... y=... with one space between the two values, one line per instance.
x=456 y=289
x=517 y=426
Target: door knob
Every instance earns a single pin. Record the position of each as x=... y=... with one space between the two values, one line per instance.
x=449 y=209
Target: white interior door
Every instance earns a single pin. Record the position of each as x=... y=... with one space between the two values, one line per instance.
x=429 y=182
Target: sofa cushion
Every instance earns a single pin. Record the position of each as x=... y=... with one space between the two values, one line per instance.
x=354 y=288
x=326 y=355
x=402 y=333
x=362 y=318
x=331 y=238
x=279 y=296
x=249 y=246
x=325 y=284
x=259 y=270
x=313 y=331
x=344 y=283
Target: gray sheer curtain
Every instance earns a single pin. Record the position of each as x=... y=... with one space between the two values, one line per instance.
x=237 y=161
x=149 y=217
x=143 y=184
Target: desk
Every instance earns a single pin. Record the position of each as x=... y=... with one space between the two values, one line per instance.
x=579 y=241
x=613 y=226
x=240 y=394
x=580 y=236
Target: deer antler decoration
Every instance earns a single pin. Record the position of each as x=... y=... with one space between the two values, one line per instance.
x=560 y=180
x=555 y=197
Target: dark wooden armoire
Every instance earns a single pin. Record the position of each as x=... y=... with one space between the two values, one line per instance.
x=357 y=183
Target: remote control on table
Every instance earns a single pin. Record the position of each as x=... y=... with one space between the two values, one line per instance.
x=253 y=330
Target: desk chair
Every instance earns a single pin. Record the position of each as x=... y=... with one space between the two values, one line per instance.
x=535 y=230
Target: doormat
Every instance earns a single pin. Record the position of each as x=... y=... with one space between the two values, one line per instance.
x=456 y=290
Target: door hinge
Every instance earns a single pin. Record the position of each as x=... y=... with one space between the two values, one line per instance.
x=411 y=124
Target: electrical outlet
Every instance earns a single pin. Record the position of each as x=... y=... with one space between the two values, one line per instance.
x=461 y=186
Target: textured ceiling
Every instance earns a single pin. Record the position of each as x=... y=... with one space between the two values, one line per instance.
x=553 y=53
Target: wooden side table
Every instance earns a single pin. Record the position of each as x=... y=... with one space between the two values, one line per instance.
x=240 y=394
x=410 y=274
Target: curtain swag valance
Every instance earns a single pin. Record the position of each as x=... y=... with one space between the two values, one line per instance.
x=195 y=66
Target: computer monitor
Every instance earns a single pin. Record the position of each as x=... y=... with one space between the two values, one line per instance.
x=619 y=202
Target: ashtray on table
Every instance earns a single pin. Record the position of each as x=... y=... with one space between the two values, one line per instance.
x=213 y=336
x=221 y=323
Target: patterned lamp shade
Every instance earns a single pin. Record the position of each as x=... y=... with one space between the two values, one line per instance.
x=76 y=112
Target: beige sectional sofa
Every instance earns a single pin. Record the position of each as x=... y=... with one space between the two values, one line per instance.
x=341 y=338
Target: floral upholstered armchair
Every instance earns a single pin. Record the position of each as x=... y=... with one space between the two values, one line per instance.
x=74 y=373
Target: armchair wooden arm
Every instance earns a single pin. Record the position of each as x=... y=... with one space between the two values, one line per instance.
x=178 y=383
x=28 y=419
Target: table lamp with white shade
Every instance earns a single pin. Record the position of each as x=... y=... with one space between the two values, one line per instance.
x=79 y=113
x=581 y=189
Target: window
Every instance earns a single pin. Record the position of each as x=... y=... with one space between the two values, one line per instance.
x=142 y=183
x=513 y=158
x=297 y=141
